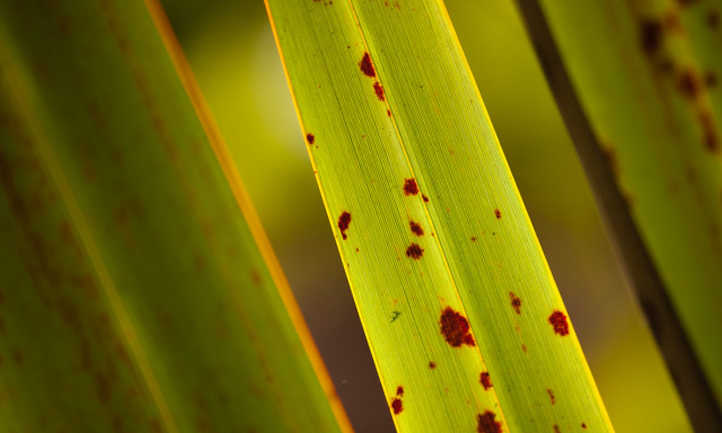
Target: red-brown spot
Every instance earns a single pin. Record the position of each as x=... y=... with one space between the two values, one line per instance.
x=473 y=239
x=689 y=84
x=416 y=228
x=515 y=302
x=651 y=36
x=551 y=396
x=709 y=132
x=410 y=187
x=432 y=365
x=497 y=212
x=343 y=221
x=310 y=138
x=584 y=426
x=426 y=199
x=556 y=429
x=523 y=347
x=559 y=322
x=379 y=91
x=713 y=19
x=397 y=406
x=455 y=328
x=485 y=380
x=400 y=391
x=414 y=251
x=487 y=423
x=366 y=66
x=388 y=113
x=710 y=79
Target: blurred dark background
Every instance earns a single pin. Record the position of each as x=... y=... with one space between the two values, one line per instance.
x=232 y=52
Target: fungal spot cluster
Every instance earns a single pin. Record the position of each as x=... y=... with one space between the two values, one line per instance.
x=410 y=187
x=343 y=222
x=397 y=406
x=414 y=251
x=515 y=302
x=486 y=423
x=559 y=321
x=367 y=67
x=485 y=380
x=416 y=228
x=455 y=328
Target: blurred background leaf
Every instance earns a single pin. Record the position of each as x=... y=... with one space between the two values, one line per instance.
x=134 y=295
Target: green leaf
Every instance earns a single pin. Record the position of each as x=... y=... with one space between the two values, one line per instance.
x=137 y=290
x=410 y=117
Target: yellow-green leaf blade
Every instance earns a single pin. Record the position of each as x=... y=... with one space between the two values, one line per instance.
x=430 y=126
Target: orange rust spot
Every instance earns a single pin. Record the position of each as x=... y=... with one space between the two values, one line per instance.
x=414 y=251
x=379 y=91
x=551 y=396
x=556 y=429
x=310 y=138
x=416 y=228
x=497 y=212
x=410 y=187
x=432 y=365
x=366 y=66
x=473 y=239
x=397 y=406
x=584 y=426
x=487 y=423
x=559 y=322
x=515 y=302
x=388 y=113
x=455 y=328
x=523 y=347
x=343 y=222
x=485 y=380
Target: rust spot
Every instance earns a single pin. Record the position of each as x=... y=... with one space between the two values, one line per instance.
x=379 y=91
x=426 y=199
x=414 y=251
x=713 y=19
x=310 y=138
x=485 y=380
x=400 y=391
x=556 y=429
x=473 y=239
x=395 y=315
x=497 y=212
x=455 y=328
x=710 y=79
x=651 y=36
x=689 y=84
x=584 y=426
x=366 y=66
x=487 y=423
x=388 y=113
x=523 y=347
x=515 y=302
x=551 y=396
x=559 y=322
x=416 y=228
x=397 y=406
x=432 y=365
x=709 y=132
x=343 y=221
x=410 y=187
